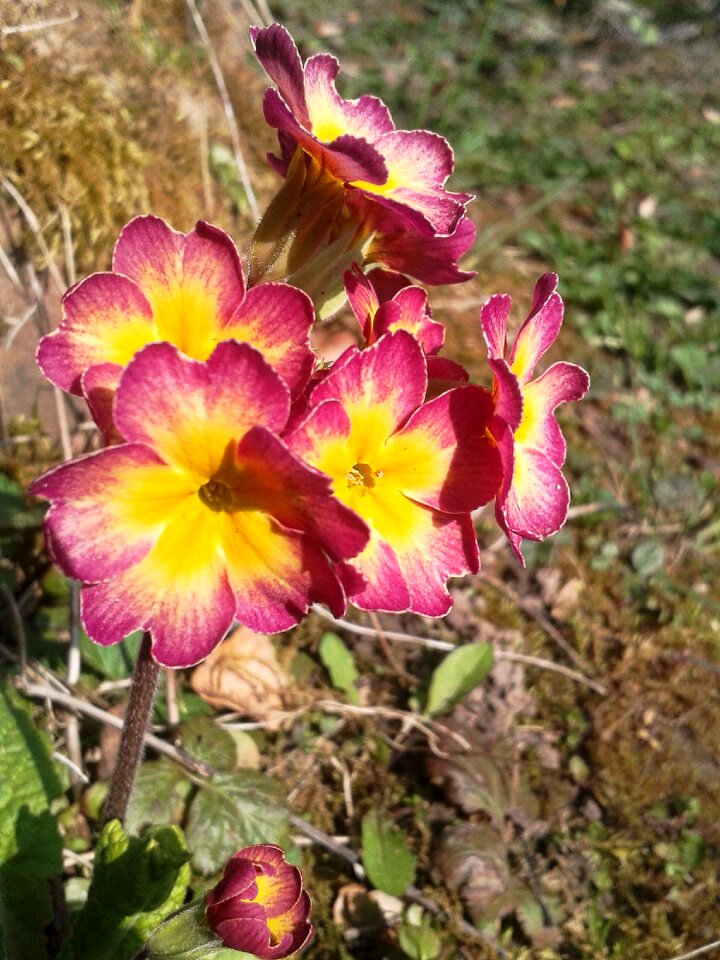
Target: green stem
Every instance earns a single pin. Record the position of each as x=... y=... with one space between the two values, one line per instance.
x=137 y=717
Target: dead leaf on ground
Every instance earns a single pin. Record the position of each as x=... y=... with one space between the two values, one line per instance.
x=243 y=674
x=360 y=912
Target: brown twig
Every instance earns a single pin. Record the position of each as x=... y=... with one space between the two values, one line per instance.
x=433 y=644
x=42 y=692
x=38 y=25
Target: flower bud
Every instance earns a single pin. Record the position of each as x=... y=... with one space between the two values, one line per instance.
x=260 y=906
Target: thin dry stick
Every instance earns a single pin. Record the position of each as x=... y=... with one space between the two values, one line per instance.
x=255 y=14
x=699 y=952
x=171 y=701
x=444 y=645
x=42 y=692
x=554 y=667
x=72 y=727
x=230 y=117
x=68 y=245
x=38 y=25
x=204 y=161
x=10 y=270
x=362 y=631
x=34 y=224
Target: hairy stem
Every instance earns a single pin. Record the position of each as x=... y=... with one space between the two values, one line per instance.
x=137 y=716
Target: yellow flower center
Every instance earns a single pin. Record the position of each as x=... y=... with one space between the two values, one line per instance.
x=216 y=495
x=362 y=475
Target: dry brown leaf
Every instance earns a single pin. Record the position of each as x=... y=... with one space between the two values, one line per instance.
x=242 y=674
x=360 y=913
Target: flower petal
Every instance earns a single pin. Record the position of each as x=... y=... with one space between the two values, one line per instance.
x=276 y=51
x=429 y=258
x=537 y=502
x=99 y=384
x=444 y=457
x=189 y=411
x=418 y=163
x=441 y=546
x=538 y=428
x=374 y=580
x=493 y=323
x=379 y=388
x=193 y=282
x=108 y=508
x=330 y=115
x=106 y=319
x=276 y=319
x=238 y=881
x=277 y=574
x=179 y=592
x=299 y=497
x=538 y=332
x=507 y=394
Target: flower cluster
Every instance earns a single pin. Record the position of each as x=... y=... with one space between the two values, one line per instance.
x=243 y=479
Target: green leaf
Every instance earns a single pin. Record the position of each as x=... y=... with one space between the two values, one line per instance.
x=30 y=845
x=184 y=936
x=14 y=512
x=418 y=941
x=137 y=882
x=648 y=557
x=389 y=862
x=209 y=743
x=158 y=795
x=339 y=663
x=459 y=673
x=234 y=810
x=114 y=662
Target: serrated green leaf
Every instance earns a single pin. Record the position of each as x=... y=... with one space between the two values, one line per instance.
x=209 y=743
x=234 y=810
x=137 y=882
x=114 y=662
x=389 y=862
x=460 y=672
x=30 y=845
x=158 y=795
x=339 y=663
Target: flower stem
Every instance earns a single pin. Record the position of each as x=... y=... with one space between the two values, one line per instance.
x=137 y=716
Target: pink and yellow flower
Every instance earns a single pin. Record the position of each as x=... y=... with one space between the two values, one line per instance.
x=383 y=302
x=355 y=141
x=430 y=258
x=202 y=515
x=185 y=289
x=534 y=497
x=260 y=906
x=411 y=470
